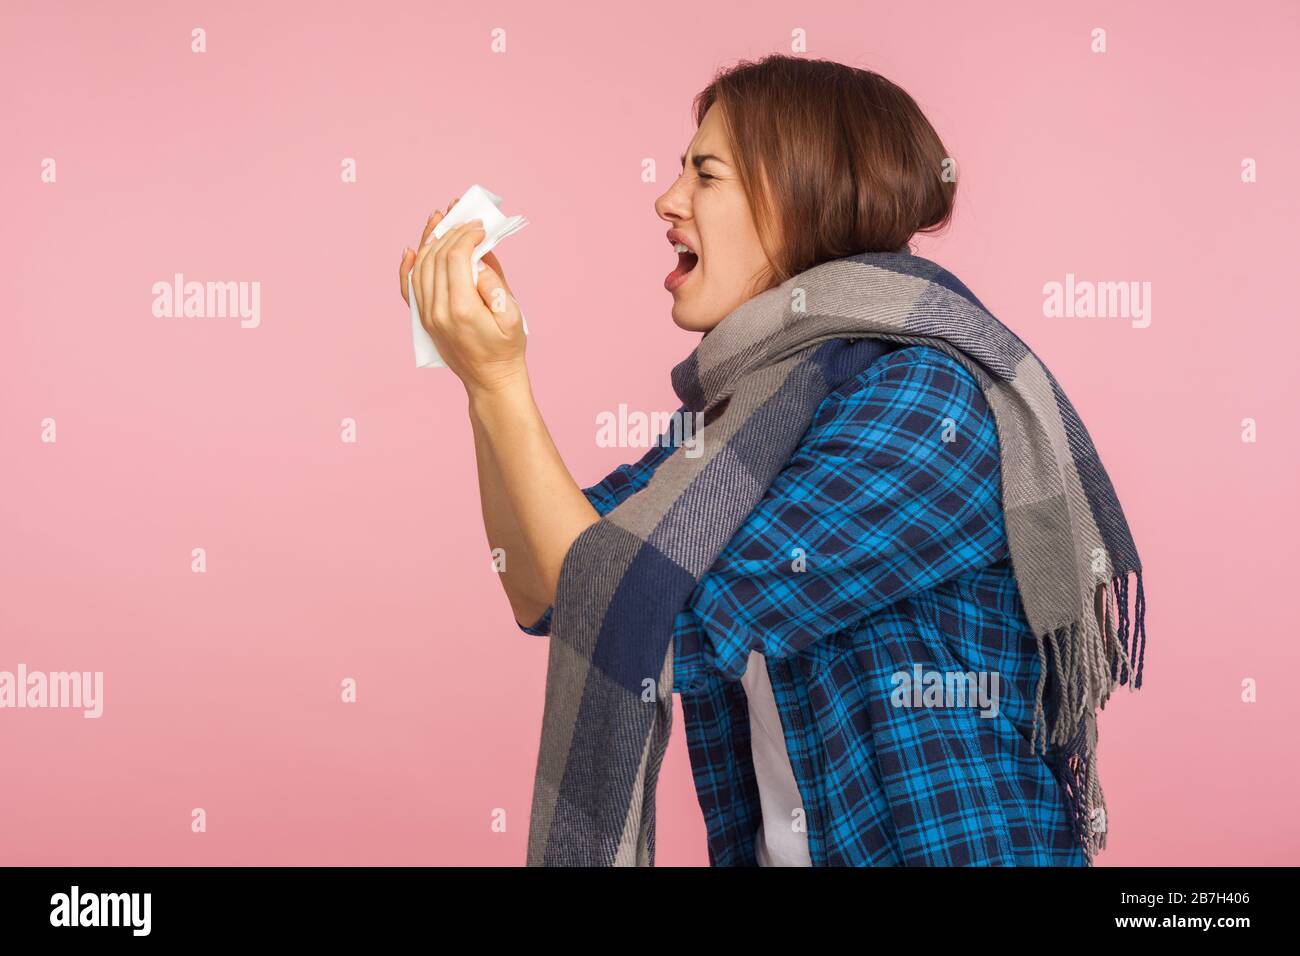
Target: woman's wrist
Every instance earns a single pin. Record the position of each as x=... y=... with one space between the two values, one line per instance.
x=507 y=391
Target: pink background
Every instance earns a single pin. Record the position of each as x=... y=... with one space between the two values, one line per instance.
x=329 y=560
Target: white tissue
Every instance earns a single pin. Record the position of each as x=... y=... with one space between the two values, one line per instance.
x=477 y=203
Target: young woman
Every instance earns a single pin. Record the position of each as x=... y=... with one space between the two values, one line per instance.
x=873 y=556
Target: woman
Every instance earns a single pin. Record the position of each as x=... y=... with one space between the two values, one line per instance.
x=838 y=568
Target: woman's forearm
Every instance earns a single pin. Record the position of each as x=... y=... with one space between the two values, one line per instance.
x=532 y=507
x=518 y=576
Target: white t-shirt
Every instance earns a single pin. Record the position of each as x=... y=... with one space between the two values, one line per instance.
x=777 y=842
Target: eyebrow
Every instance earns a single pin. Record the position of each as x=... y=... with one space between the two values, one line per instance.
x=698 y=159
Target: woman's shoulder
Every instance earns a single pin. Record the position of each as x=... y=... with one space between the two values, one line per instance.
x=902 y=403
x=911 y=374
x=922 y=363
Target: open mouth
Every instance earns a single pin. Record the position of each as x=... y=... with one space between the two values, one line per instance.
x=686 y=262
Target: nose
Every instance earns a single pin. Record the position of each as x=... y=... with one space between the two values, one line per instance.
x=674 y=205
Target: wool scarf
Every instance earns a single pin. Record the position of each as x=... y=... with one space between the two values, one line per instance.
x=758 y=378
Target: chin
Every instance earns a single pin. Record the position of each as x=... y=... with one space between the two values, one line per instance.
x=689 y=319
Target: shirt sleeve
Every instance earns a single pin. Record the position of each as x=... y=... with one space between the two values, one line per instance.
x=894 y=489
x=623 y=482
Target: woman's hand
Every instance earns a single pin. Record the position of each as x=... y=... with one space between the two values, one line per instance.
x=478 y=329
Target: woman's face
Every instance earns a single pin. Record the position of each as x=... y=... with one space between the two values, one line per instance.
x=709 y=213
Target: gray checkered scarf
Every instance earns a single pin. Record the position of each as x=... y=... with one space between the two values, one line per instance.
x=758 y=380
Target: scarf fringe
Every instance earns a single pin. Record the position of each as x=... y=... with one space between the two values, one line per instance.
x=1085 y=666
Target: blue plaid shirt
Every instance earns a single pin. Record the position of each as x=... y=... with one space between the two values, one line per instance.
x=879 y=548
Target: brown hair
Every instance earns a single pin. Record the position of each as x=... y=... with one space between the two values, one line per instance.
x=835 y=160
